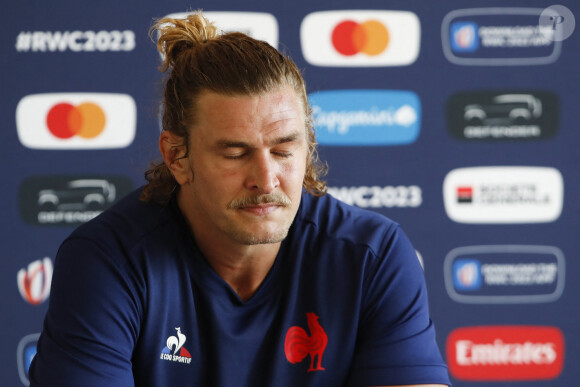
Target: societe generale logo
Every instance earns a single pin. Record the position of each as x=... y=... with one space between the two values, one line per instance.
x=259 y=25
x=503 y=194
x=76 y=120
x=34 y=281
x=505 y=353
x=365 y=38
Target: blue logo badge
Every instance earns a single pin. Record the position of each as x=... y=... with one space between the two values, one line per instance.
x=25 y=353
x=366 y=117
x=464 y=36
x=467 y=274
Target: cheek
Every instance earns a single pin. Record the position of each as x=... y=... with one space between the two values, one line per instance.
x=218 y=180
x=293 y=173
x=210 y=171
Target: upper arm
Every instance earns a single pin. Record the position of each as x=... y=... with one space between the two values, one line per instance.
x=92 y=322
x=396 y=339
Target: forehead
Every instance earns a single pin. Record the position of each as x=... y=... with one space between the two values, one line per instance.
x=276 y=109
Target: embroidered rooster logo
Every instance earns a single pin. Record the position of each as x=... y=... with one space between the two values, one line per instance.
x=299 y=344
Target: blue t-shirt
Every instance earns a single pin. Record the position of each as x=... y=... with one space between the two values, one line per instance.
x=133 y=302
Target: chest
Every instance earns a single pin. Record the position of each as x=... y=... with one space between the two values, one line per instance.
x=299 y=329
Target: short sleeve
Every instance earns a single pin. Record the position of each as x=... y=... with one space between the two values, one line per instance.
x=396 y=339
x=92 y=322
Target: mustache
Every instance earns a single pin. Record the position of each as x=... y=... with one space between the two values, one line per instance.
x=278 y=199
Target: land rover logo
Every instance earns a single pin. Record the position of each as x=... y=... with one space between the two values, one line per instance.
x=69 y=200
x=502 y=115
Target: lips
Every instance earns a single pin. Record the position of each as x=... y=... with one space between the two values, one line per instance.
x=261 y=210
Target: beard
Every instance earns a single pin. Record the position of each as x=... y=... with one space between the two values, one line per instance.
x=249 y=237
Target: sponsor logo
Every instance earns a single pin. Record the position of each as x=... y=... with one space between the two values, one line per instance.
x=498 y=36
x=86 y=120
x=503 y=194
x=362 y=38
x=174 y=351
x=259 y=25
x=75 y=41
x=24 y=354
x=76 y=121
x=464 y=194
x=379 y=197
x=69 y=200
x=497 y=116
x=467 y=274
x=34 y=281
x=299 y=344
x=505 y=274
x=465 y=37
x=505 y=353
x=366 y=117
x=370 y=37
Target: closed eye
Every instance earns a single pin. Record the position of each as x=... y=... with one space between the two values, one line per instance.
x=235 y=156
x=283 y=154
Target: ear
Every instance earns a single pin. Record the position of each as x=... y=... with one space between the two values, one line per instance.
x=173 y=151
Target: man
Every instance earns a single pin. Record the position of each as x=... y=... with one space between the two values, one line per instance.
x=235 y=269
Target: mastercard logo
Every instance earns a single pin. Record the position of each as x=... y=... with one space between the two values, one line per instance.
x=360 y=38
x=76 y=120
x=86 y=120
x=370 y=37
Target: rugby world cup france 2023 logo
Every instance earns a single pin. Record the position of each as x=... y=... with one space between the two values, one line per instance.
x=34 y=281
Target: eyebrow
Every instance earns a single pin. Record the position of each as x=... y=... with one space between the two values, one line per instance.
x=241 y=144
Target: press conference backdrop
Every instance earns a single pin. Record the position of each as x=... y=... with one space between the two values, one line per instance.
x=457 y=119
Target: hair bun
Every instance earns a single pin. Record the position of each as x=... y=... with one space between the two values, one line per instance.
x=178 y=35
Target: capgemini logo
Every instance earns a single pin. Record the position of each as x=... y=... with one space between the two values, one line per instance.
x=34 y=281
x=366 y=117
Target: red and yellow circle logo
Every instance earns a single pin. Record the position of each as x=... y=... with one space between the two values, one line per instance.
x=370 y=38
x=86 y=120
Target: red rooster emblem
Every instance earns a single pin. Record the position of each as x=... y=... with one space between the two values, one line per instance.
x=299 y=344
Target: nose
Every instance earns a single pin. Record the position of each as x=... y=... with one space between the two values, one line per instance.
x=263 y=173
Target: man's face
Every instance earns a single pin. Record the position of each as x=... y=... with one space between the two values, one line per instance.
x=248 y=159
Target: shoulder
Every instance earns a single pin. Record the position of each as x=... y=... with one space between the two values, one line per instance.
x=126 y=224
x=336 y=221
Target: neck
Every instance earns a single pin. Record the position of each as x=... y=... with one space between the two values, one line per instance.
x=244 y=270
x=243 y=267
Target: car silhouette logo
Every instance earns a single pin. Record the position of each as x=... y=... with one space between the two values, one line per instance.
x=79 y=195
x=505 y=109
